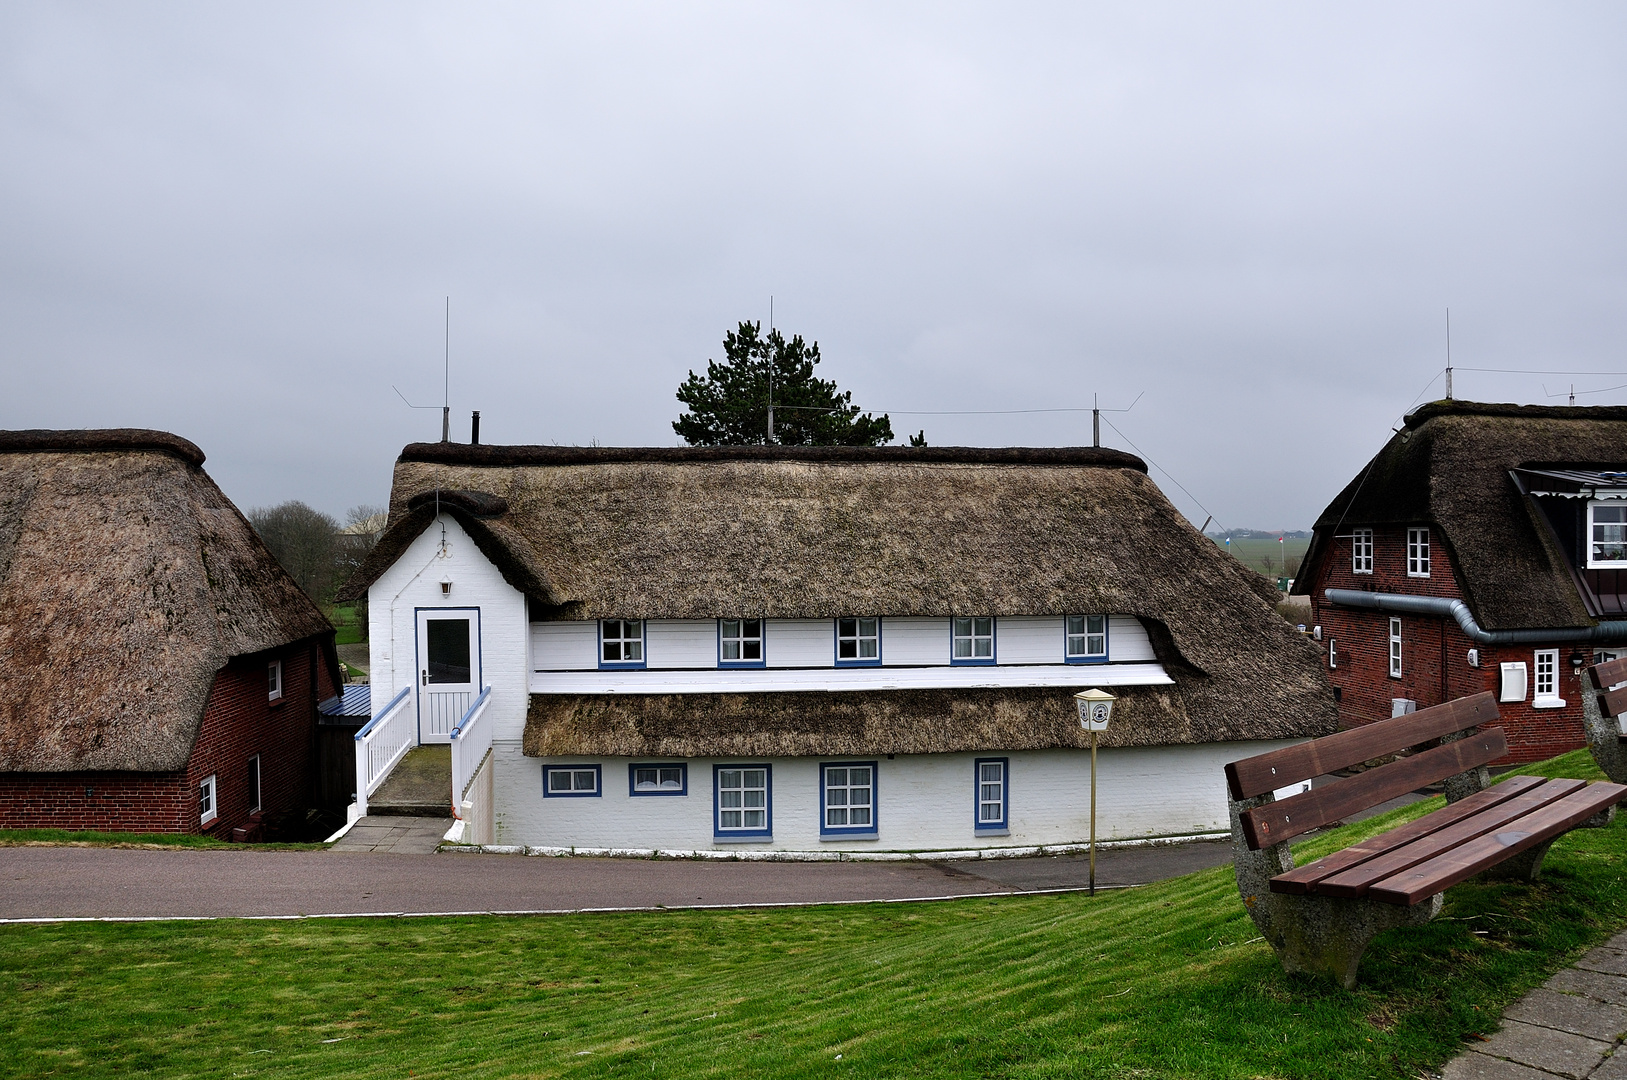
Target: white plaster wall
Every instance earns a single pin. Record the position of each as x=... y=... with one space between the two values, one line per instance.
x=800 y=643
x=923 y=802
x=1127 y=639
x=681 y=643
x=413 y=581
x=565 y=646
x=1028 y=639
x=912 y=642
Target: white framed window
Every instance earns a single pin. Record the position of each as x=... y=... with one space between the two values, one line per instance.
x=1417 y=552
x=971 y=641
x=208 y=805
x=740 y=642
x=274 y=680
x=1545 y=680
x=847 y=798
x=1086 y=639
x=1606 y=534
x=1511 y=681
x=658 y=778
x=621 y=643
x=1395 y=648
x=993 y=794
x=858 y=641
x=741 y=801
x=1361 y=551
x=571 y=782
x=254 y=783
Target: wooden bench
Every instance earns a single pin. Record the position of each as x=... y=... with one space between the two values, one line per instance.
x=1600 y=707
x=1320 y=917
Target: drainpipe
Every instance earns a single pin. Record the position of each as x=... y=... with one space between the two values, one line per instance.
x=1605 y=632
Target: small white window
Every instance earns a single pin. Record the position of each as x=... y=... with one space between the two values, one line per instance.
x=1087 y=638
x=740 y=641
x=991 y=793
x=1395 y=648
x=621 y=641
x=850 y=798
x=660 y=780
x=254 y=783
x=570 y=781
x=1511 y=682
x=208 y=810
x=1607 y=534
x=274 y=680
x=1361 y=551
x=1545 y=681
x=972 y=641
x=858 y=641
x=1417 y=552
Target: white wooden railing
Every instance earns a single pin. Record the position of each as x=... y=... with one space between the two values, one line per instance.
x=471 y=742
x=383 y=741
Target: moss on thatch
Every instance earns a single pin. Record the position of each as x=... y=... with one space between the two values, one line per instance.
x=127 y=579
x=1449 y=467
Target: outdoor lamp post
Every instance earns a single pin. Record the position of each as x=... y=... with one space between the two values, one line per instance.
x=1095 y=709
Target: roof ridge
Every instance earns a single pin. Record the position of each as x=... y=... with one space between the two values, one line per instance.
x=99 y=440
x=447 y=453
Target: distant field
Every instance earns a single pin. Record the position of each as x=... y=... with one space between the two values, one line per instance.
x=1266 y=556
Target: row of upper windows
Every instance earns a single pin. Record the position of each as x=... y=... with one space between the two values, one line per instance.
x=857 y=641
x=1361 y=552
x=743 y=795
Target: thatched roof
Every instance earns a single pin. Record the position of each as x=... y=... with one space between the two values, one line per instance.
x=127 y=579
x=1449 y=467
x=817 y=532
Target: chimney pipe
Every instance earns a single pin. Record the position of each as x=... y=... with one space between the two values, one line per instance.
x=474 y=429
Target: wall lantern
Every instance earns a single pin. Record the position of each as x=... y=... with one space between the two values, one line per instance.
x=446 y=585
x=1095 y=709
x=1474 y=657
x=1577 y=660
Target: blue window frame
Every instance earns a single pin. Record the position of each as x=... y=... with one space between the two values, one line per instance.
x=740 y=643
x=742 y=802
x=621 y=643
x=971 y=641
x=658 y=778
x=991 y=808
x=858 y=642
x=1084 y=639
x=847 y=798
x=572 y=782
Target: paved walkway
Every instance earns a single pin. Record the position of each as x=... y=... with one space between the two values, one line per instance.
x=397 y=835
x=1571 y=1026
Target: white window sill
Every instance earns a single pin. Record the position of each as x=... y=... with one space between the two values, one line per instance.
x=742 y=840
x=1419 y=576
x=993 y=832
x=1548 y=703
x=849 y=836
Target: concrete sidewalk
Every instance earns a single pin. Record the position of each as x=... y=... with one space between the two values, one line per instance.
x=1571 y=1026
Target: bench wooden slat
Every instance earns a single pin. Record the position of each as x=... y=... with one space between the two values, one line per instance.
x=1279 y=768
x=1465 y=861
x=1609 y=673
x=1615 y=702
x=1285 y=819
x=1301 y=879
x=1357 y=880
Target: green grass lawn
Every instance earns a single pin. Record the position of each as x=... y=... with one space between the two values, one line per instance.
x=348 y=628
x=87 y=838
x=1169 y=980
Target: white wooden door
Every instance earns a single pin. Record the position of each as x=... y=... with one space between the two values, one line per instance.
x=448 y=669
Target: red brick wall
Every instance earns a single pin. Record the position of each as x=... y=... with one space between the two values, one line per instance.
x=239 y=721
x=1434 y=651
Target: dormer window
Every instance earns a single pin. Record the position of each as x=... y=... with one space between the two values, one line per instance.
x=740 y=642
x=1607 y=534
x=1417 y=552
x=621 y=643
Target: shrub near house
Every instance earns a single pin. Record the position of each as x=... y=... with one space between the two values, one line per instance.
x=159 y=672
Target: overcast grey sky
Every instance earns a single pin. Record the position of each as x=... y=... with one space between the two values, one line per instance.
x=240 y=222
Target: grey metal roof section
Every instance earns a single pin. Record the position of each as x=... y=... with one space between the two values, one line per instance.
x=1576 y=483
x=357 y=700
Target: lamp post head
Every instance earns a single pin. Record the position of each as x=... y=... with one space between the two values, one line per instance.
x=1095 y=709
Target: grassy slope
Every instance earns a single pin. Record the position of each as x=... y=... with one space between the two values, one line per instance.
x=1163 y=981
x=1254 y=553
x=91 y=838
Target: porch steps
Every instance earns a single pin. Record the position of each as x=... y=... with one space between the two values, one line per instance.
x=420 y=785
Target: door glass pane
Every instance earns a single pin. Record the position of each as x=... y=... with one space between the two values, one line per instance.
x=448 y=650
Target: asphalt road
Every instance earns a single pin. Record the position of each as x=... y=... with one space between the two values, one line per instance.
x=119 y=883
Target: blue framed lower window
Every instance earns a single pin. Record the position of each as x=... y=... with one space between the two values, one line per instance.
x=992 y=809
x=658 y=778
x=742 y=802
x=572 y=782
x=847 y=798
x=1085 y=639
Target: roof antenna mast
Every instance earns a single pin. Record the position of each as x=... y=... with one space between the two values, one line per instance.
x=446 y=379
x=1095 y=420
x=771 y=373
x=1448 y=354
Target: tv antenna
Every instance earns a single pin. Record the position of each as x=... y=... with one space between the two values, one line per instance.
x=1448 y=354
x=446 y=382
x=1096 y=411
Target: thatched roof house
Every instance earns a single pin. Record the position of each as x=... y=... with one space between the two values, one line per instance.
x=822 y=533
x=127 y=581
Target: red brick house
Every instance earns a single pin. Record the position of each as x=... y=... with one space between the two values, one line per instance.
x=1483 y=548
x=159 y=671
